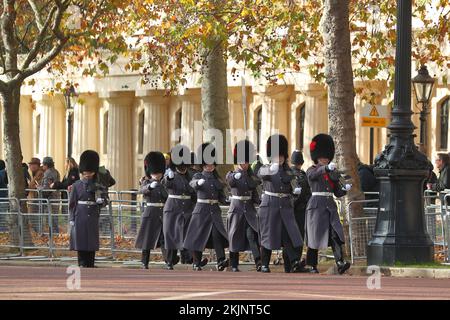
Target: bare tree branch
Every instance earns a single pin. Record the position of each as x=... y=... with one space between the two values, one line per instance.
x=39 y=41
x=37 y=15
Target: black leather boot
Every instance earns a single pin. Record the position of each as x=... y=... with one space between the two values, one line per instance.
x=222 y=264
x=145 y=258
x=299 y=267
x=265 y=269
x=258 y=264
x=342 y=266
x=314 y=269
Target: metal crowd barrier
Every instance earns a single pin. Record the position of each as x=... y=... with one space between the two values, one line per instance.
x=43 y=227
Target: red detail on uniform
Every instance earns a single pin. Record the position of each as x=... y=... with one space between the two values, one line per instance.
x=312 y=146
x=327 y=178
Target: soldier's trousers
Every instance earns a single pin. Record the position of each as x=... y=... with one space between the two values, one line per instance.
x=146 y=253
x=312 y=255
x=171 y=255
x=292 y=253
x=216 y=239
x=86 y=259
x=252 y=238
x=300 y=219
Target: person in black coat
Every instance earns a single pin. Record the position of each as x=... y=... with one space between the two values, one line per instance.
x=150 y=234
x=277 y=225
x=300 y=203
x=323 y=225
x=86 y=199
x=179 y=205
x=206 y=229
x=242 y=221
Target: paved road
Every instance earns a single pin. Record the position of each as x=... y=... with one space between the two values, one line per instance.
x=119 y=283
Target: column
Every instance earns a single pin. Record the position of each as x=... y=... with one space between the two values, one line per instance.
x=316 y=114
x=52 y=137
x=118 y=158
x=86 y=124
x=156 y=126
x=275 y=113
x=236 y=112
x=26 y=127
x=191 y=115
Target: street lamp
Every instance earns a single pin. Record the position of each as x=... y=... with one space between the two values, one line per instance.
x=423 y=86
x=69 y=95
x=400 y=233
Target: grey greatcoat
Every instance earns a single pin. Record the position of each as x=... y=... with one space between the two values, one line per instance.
x=241 y=211
x=301 y=200
x=84 y=233
x=274 y=212
x=205 y=215
x=150 y=232
x=321 y=212
x=177 y=212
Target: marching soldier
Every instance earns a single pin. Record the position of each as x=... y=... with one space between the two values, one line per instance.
x=150 y=234
x=86 y=199
x=323 y=227
x=206 y=229
x=300 y=203
x=276 y=212
x=242 y=221
x=179 y=205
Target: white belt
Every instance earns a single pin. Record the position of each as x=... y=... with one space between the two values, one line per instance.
x=155 y=204
x=279 y=195
x=210 y=201
x=323 y=194
x=244 y=198
x=173 y=196
x=88 y=203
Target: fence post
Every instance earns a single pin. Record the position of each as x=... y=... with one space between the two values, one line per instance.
x=111 y=223
x=50 y=229
x=350 y=230
x=133 y=225
x=20 y=221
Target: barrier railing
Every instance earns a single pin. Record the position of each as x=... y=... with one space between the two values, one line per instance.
x=43 y=224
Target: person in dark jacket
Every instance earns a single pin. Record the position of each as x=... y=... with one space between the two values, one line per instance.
x=300 y=203
x=3 y=180
x=442 y=163
x=277 y=226
x=206 y=229
x=150 y=234
x=179 y=205
x=242 y=221
x=323 y=226
x=86 y=199
x=72 y=174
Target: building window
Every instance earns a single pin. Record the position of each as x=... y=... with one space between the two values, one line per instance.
x=178 y=118
x=258 y=128
x=105 y=132
x=141 y=132
x=301 y=126
x=444 y=124
x=38 y=133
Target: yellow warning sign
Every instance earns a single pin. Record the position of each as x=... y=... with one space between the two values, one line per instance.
x=374 y=112
x=373 y=122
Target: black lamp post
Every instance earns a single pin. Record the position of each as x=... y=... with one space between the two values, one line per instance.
x=423 y=86
x=400 y=234
x=69 y=94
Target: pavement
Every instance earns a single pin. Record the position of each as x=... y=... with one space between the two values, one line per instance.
x=55 y=282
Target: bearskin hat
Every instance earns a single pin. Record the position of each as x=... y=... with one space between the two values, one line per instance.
x=244 y=151
x=154 y=162
x=297 y=157
x=322 y=146
x=89 y=161
x=207 y=154
x=180 y=155
x=281 y=141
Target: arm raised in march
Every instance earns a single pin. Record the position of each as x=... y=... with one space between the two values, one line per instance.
x=314 y=173
x=195 y=179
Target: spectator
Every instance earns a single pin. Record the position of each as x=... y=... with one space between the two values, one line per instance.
x=37 y=174
x=72 y=174
x=3 y=194
x=51 y=176
x=442 y=162
x=369 y=183
x=3 y=180
x=105 y=178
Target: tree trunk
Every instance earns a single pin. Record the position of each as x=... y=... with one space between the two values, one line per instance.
x=339 y=77
x=214 y=94
x=13 y=154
